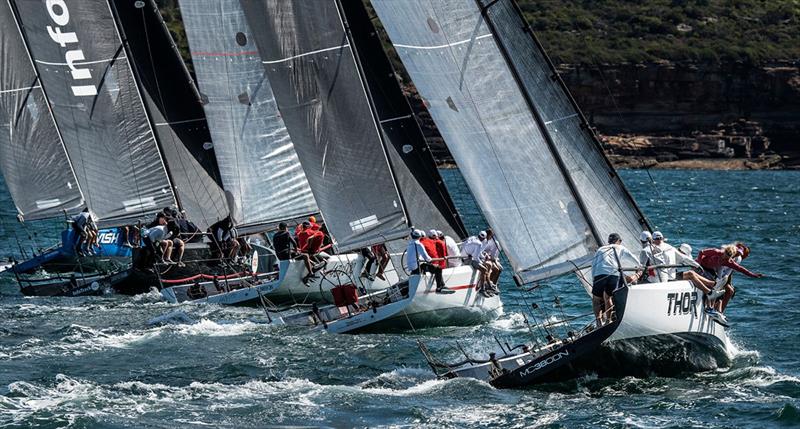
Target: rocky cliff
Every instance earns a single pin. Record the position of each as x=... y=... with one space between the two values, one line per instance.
x=669 y=112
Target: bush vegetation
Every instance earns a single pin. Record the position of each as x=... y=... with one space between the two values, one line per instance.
x=708 y=31
x=620 y=31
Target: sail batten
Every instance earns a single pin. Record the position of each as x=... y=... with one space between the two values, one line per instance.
x=318 y=89
x=33 y=160
x=259 y=168
x=524 y=161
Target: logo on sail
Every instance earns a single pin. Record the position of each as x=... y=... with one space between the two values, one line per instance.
x=59 y=13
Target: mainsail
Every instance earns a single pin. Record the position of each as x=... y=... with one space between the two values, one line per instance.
x=414 y=166
x=524 y=149
x=84 y=70
x=175 y=111
x=324 y=104
x=32 y=157
x=258 y=164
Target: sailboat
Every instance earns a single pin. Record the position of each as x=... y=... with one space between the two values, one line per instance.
x=540 y=177
x=132 y=152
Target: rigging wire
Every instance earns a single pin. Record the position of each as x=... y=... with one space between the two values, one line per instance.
x=172 y=137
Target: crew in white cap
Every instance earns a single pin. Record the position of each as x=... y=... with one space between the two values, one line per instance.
x=419 y=261
x=472 y=249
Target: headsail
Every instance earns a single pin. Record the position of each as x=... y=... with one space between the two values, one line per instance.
x=97 y=107
x=529 y=185
x=414 y=166
x=175 y=111
x=32 y=157
x=322 y=99
x=260 y=170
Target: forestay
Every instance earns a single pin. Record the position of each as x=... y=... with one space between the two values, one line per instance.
x=175 y=111
x=316 y=82
x=32 y=157
x=414 y=166
x=85 y=73
x=258 y=164
x=507 y=159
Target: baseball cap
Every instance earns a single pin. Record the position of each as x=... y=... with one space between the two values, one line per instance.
x=657 y=235
x=685 y=249
x=613 y=238
x=439 y=233
x=432 y=233
x=482 y=235
x=416 y=233
x=645 y=236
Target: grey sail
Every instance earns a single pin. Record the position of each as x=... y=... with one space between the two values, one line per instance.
x=324 y=104
x=414 y=166
x=610 y=206
x=89 y=83
x=259 y=167
x=175 y=111
x=505 y=155
x=32 y=157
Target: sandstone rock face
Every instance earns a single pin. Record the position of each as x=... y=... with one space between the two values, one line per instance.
x=675 y=99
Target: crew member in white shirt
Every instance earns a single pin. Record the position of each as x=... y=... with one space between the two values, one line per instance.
x=606 y=271
x=420 y=262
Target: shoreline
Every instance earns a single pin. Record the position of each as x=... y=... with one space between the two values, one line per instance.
x=647 y=163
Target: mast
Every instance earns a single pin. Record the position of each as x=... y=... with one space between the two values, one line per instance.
x=540 y=122
x=371 y=102
x=137 y=80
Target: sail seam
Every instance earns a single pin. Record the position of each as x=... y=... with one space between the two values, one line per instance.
x=318 y=51
x=446 y=45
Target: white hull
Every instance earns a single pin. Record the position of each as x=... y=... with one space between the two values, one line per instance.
x=427 y=308
x=664 y=329
x=339 y=269
x=654 y=309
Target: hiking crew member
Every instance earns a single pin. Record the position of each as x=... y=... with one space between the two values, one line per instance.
x=286 y=249
x=155 y=238
x=723 y=279
x=441 y=248
x=606 y=275
x=713 y=261
x=452 y=252
x=420 y=262
x=491 y=257
x=472 y=249
x=428 y=241
x=174 y=232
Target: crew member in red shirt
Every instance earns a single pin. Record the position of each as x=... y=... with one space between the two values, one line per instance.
x=313 y=223
x=429 y=243
x=441 y=248
x=712 y=260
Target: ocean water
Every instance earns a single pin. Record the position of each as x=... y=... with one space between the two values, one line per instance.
x=99 y=362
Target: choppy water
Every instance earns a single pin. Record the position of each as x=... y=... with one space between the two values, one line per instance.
x=97 y=362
